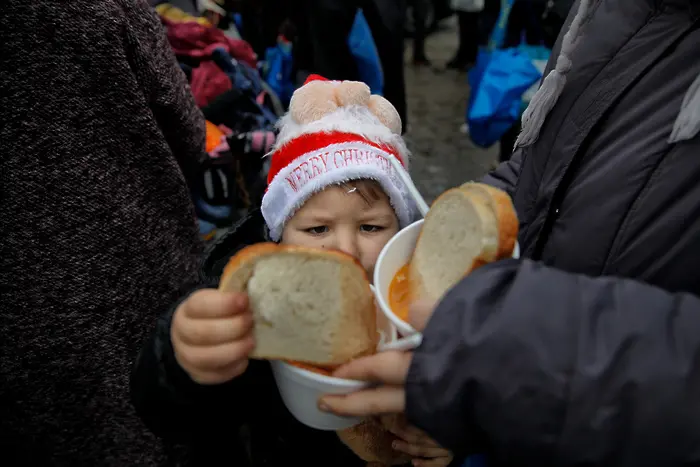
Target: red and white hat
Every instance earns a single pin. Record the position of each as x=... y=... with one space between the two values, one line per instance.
x=335 y=132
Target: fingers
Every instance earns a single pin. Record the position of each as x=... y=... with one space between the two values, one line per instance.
x=376 y=401
x=416 y=443
x=416 y=450
x=212 y=332
x=385 y=367
x=419 y=314
x=389 y=368
x=413 y=435
x=212 y=336
x=390 y=422
x=216 y=358
x=212 y=304
x=222 y=375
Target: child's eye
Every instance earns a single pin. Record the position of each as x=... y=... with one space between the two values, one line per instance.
x=318 y=230
x=368 y=228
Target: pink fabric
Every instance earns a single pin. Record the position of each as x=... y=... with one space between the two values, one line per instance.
x=208 y=83
x=195 y=40
x=262 y=141
x=223 y=146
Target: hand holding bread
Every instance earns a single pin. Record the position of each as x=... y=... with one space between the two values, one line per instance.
x=212 y=336
x=465 y=228
x=309 y=305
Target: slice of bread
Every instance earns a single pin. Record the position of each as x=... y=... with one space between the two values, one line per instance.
x=502 y=206
x=309 y=305
x=465 y=228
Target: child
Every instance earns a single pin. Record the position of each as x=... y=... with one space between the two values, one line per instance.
x=330 y=186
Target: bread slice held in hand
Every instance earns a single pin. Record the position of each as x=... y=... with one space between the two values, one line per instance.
x=501 y=206
x=309 y=305
x=466 y=227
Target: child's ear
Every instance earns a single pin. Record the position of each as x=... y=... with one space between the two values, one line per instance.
x=386 y=113
x=312 y=102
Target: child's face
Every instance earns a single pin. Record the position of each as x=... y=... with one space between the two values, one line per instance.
x=340 y=218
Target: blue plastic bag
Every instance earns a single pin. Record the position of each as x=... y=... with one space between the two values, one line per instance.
x=364 y=50
x=278 y=70
x=498 y=81
x=497 y=103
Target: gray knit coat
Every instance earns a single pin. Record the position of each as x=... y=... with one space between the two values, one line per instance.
x=97 y=232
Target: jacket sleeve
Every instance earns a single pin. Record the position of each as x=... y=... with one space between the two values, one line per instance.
x=165 y=86
x=535 y=366
x=170 y=403
x=505 y=176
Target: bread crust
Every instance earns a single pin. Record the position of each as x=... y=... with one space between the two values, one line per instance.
x=255 y=252
x=483 y=198
x=361 y=338
x=508 y=224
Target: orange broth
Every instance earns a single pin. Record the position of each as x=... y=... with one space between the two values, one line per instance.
x=314 y=369
x=399 y=293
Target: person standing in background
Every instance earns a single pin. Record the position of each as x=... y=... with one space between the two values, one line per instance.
x=420 y=13
x=329 y=23
x=98 y=135
x=468 y=15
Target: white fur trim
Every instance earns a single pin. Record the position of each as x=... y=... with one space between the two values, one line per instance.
x=334 y=164
x=355 y=119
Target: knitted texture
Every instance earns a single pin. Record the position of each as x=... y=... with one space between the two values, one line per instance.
x=97 y=232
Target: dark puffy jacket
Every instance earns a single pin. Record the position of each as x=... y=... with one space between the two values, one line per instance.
x=587 y=352
x=240 y=423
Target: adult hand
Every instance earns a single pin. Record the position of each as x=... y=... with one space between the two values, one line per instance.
x=212 y=335
x=389 y=369
x=416 y=443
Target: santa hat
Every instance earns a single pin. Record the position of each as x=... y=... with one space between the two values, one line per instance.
x=335 y=132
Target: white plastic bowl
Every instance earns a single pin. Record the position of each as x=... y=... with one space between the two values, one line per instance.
x=301 y=389
x=393 y=257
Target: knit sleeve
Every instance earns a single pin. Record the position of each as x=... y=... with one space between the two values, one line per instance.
x=165 y=86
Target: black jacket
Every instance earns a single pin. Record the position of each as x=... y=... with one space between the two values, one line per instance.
x=587 y=352
x=243 y=422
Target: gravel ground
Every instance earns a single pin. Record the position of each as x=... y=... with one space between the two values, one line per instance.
x=443 y=156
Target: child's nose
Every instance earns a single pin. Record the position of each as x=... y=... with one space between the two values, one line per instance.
x=347 y=243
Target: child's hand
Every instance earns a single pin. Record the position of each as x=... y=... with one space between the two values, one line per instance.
x=212 y=335
x=414 y=442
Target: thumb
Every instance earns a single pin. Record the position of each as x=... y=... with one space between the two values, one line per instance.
x=419 y=314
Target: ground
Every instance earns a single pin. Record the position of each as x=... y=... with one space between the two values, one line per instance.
x=442 y=155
